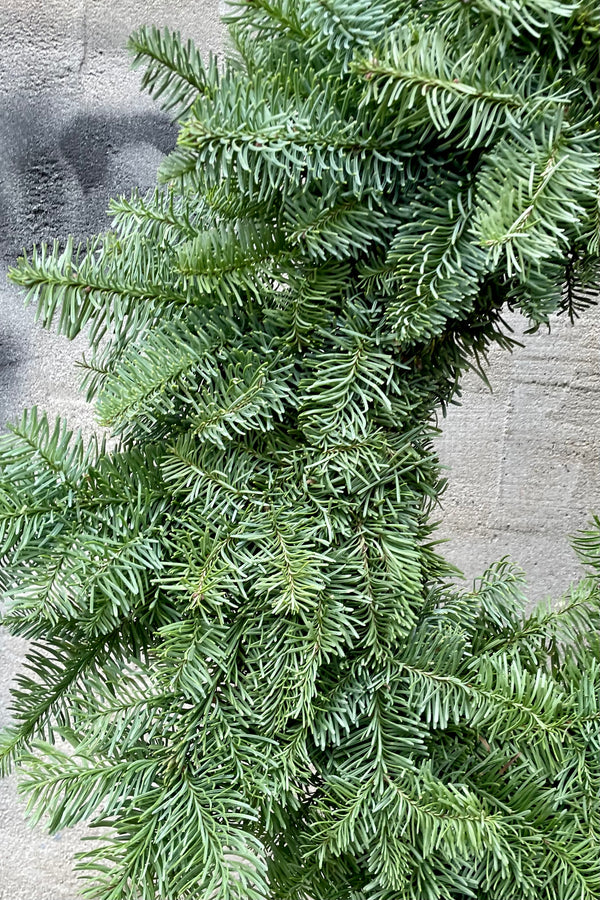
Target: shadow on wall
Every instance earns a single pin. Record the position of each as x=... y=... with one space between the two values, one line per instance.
x=58 y=180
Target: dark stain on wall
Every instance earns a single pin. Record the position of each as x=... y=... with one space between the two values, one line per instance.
x=13 y=365
x=87 y=142
x=58 y=180
x=11 y=352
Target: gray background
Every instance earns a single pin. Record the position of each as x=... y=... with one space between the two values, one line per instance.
x=74 y=131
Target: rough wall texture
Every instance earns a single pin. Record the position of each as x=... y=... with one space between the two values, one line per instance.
x=73 y=132
x=523 y=461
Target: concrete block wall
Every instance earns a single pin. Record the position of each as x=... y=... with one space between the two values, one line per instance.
x=523 y=461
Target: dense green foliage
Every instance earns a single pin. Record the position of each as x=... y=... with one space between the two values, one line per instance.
x=271 y=686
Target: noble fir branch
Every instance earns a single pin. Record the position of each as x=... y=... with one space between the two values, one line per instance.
x=79 y=286
x=535 y=200
x=416 y=79
x=173 y=71
x=271 y=17
x=158 y=215
x=272 y=686
x=433 y=265
x=44 y=701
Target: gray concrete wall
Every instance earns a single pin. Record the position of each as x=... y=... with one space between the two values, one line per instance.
x=523 y=461
x=73 y=132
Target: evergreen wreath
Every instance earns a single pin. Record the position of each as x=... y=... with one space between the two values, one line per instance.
x=240 y=622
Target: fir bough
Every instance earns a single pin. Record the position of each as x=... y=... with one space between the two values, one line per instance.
x=240 y=623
